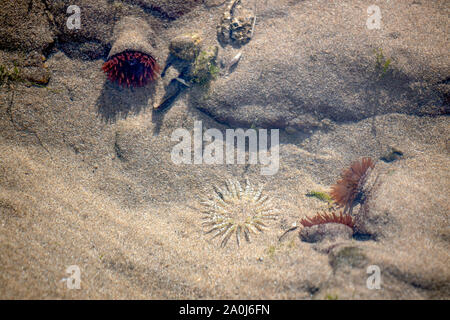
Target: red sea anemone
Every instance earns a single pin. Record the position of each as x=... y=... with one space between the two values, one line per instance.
x=323 y=218
x=131 y=68
x=345 y=191
x=131 y=61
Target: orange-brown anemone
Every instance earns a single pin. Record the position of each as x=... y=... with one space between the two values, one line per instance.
x=345 y=191
x=323 y=218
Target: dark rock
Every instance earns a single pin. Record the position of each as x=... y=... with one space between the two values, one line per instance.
x=327 y=231
x=186 y=47
x=25 y=25
x=279 y=86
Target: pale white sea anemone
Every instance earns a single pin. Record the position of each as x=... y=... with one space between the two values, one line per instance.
x=238 y=210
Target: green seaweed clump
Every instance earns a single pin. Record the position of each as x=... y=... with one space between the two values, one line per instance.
x=9 y=76
x=323 y=196
x=204 y=68
x=330 y=296
x=271 y=251
x=382 y=64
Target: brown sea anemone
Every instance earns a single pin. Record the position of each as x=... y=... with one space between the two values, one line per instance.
x=349 y=187
x=131 y=62
x=323 y=218
x=324 y=225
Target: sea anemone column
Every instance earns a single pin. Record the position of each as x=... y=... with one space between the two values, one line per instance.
x=130 y=62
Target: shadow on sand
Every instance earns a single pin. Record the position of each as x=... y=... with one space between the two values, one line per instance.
x=116 y=102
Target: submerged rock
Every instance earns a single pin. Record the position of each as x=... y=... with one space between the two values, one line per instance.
x=303 y=69
x=236 y=25
x=242 y=26
x=328 y=231
x=186 y=47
